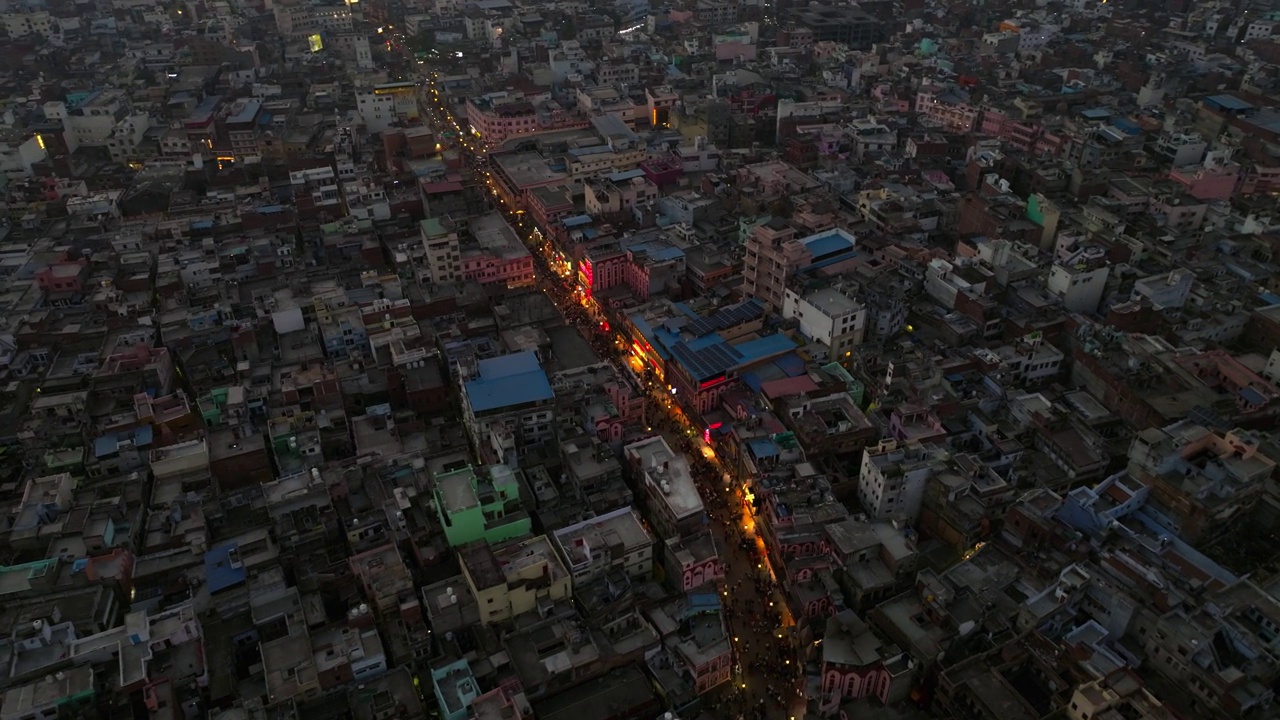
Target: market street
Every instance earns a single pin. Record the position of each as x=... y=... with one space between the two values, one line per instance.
x=767 y=682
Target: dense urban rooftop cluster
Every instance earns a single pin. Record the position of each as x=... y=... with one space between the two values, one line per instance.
x=501 y=359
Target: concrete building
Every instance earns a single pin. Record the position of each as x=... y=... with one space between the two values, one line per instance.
x=520 y=578
x=695 y=635
x=90 y=118
x=827 y=316
x=1080 y=280
x=381 y=106
x=892 y=479
x=442 y=253
x=774 y=254
x=508 y=400
x=497 y=256
x=668 y=487
x=482 y=505
x=615 y=541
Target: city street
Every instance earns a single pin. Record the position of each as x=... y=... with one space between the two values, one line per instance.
x=767 y=682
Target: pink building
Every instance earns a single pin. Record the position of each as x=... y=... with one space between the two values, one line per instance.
x=602 y=269
x=499 y=121
x=63 y=275
x=735 y=49
x=1209 y=183
x=948 y=107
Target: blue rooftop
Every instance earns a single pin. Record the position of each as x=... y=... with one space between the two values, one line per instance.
x=1252 y=396
x=1269 y=298
x=1228 y=102
x=765 y=347
x=763 y=447
x=727 y=317
x=827 y=243
x=222 y=567
x=656 y=251
x=506 y=381
x=705 y=360
x=791 y=364
x=1096 y=113
x=109 y=443
x=829 y=261
x=577 y=221
x=703 y=603
x=625 y=175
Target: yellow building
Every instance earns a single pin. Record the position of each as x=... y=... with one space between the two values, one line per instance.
x=514 y=579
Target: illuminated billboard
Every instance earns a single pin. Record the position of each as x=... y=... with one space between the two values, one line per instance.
x=315 y=43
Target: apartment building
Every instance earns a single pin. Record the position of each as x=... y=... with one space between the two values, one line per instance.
x=614 y=542
x=892 y=478
x=515 y=579
x=668 y=487
x=774 y=254
x=829 y=316
x=442 y=252
x=384 y=105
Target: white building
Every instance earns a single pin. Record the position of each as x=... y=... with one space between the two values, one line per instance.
x=675 y=506
x=827 y=316
x=18 y=159
x=90 y=121
x=125 y=143
x=1031 y=360
x=1080 y=280
x=297 y=22
x=19 y=25
x=381 y=106
x=892 y=480
x=1167 y=290
x=442 y=260
x=613 y=541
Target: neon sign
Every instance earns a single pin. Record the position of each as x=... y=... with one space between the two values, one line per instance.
x=587 y=275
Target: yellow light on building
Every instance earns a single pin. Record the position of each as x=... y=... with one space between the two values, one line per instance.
x=40 y=140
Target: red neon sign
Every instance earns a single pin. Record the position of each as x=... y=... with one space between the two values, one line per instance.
x=588 y=276
x=711 y=383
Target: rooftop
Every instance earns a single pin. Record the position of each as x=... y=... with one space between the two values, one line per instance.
x=669 y=474
x=508 y=381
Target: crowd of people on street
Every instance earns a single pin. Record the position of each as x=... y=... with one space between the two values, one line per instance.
x=767 y=674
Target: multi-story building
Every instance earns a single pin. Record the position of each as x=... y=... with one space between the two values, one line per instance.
x=892 y=480
x=243 y=128
x=675 y=507
x=442 y=253
x=696 y=637
x=1201 y=478
x=508 y=398
x=21 y=24
x=384 y=105
x=515 y=579
x=128 y=140
x=480 y=505
x=615 y=541
x=948 y=107
x=827 y=316
x=1080 y=280
x=615 y=196
x=496 y=256
x=497 y=117
x=302 y=21
x=91 y=117
x=774 y=254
